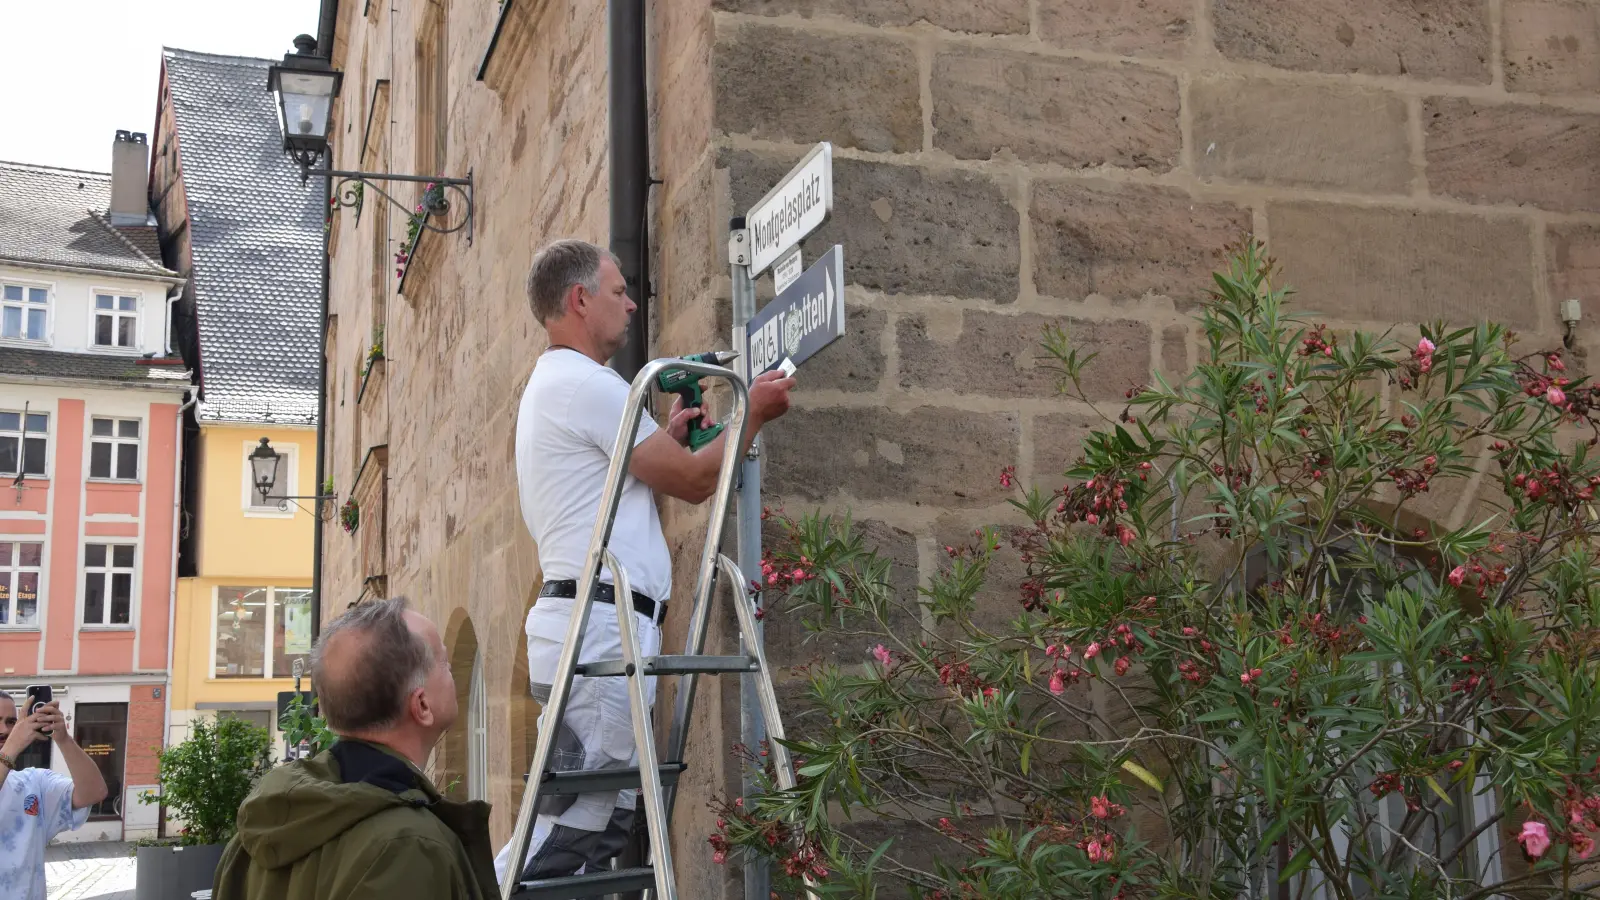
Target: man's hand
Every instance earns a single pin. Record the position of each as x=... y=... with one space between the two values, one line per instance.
x=769 y=396
x=31 y=729
x=678 y=420
x=52 y=724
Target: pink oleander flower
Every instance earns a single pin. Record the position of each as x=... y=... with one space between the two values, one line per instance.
x=1100 y=807
x=1425 y=347
x=1096 y=854
x=1091 y=651
x=1057 y=683
x=1457 y=575
x=882 y=654
x=1535 y=838
x=1556 y=396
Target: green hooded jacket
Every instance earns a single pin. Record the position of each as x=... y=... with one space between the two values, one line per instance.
x=356 y=821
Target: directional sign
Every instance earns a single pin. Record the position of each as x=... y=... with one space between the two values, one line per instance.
x=803 y=319
x=791 y=210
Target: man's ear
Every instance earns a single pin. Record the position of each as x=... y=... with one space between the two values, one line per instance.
x=576 y=301
x=418 y=707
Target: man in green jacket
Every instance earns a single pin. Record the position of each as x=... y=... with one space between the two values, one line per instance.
x=361 y=820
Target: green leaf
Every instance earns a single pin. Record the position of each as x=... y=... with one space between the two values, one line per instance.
x=1297 y=864
x=1144 y=775
x=1438 y=790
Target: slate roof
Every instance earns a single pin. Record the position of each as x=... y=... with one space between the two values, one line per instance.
x=256 y=242
x=54 y=364
x=57 y=217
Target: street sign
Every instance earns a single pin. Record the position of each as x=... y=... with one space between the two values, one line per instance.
x=787 y=270
x=791 y=210
x=804 y=318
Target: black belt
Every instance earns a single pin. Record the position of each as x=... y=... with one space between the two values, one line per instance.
x=603 y=593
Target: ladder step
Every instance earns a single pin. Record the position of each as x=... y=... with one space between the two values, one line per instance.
x=673 y=665
x=559 y=783
x=594 y=884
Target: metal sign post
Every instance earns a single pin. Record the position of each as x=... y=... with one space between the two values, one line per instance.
x=811 y=304
x=747 y=511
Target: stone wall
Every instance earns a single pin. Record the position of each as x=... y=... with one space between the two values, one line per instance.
x=1000 y=165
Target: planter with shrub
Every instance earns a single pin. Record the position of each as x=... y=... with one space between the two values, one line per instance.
x=204 y=781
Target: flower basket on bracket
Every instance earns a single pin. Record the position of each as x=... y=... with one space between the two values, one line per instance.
x=350 y=516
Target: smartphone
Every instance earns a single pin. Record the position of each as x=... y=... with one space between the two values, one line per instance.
x=38 y=695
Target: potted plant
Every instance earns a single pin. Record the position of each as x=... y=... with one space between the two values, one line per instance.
x=204 y=781
x=350 y=516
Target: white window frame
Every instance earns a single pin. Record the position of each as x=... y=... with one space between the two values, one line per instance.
x=477 y=733
x=116 y=441
x=94 y=320
x=22 y=442
x=14 y=570
x=266 y=643
x=106 y=572
x=49 y=309
x=288 y=478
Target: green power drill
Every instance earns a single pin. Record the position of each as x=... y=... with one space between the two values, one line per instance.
x=687 y=386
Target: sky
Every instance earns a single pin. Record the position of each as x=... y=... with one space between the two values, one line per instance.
x=76 y=72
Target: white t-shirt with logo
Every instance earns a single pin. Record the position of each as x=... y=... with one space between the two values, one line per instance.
x=35 y=806
x=566 y=429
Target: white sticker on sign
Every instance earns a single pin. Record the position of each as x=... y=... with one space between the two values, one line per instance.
x=786 y=271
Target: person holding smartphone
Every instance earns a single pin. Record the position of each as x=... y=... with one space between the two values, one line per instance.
x=38 y=804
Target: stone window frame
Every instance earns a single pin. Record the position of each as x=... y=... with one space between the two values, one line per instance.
x=1475 y=806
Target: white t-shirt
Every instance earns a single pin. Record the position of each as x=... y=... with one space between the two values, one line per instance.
x=35 y=806
x=566 y=428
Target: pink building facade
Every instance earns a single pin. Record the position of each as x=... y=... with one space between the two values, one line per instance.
x=91 y=403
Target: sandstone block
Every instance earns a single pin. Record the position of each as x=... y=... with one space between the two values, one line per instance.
x=789 y=85
x=999 y=600
x=980 y=16
x=1440 y=39
x=1064 y=111
x=1303 y=135
x=1057 y=445
x=999 y=355
x=1125 y=241
x=905 y=230
x=790 y=643
x=1403 y=265
x=854 y=362
x=1131 y=27
x=926 y=456
x=1551 y=47
x=1513 y=153
x=1574 y=263
x=1175 y=353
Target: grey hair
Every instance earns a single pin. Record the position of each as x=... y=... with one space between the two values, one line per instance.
x=372 y=678
x=559 y=266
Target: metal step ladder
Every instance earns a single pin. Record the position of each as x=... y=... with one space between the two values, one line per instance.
x=656 y=780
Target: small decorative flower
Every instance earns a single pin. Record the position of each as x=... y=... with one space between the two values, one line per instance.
x=882 y=654
x=1091 y=651
x=1457 y=575
x=1556 y=396
x=1535 y=838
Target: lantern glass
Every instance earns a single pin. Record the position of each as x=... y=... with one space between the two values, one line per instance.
x=264 y=464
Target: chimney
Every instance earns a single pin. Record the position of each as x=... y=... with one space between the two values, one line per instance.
x=130 y=178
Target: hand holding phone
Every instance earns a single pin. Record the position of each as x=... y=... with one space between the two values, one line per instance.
x=38 y=695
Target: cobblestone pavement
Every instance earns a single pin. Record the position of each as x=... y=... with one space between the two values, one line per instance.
x=94 y=871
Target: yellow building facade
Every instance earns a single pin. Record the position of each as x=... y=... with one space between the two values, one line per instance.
x=244 y=618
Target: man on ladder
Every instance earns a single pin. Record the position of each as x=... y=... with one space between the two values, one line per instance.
x=566 y=426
